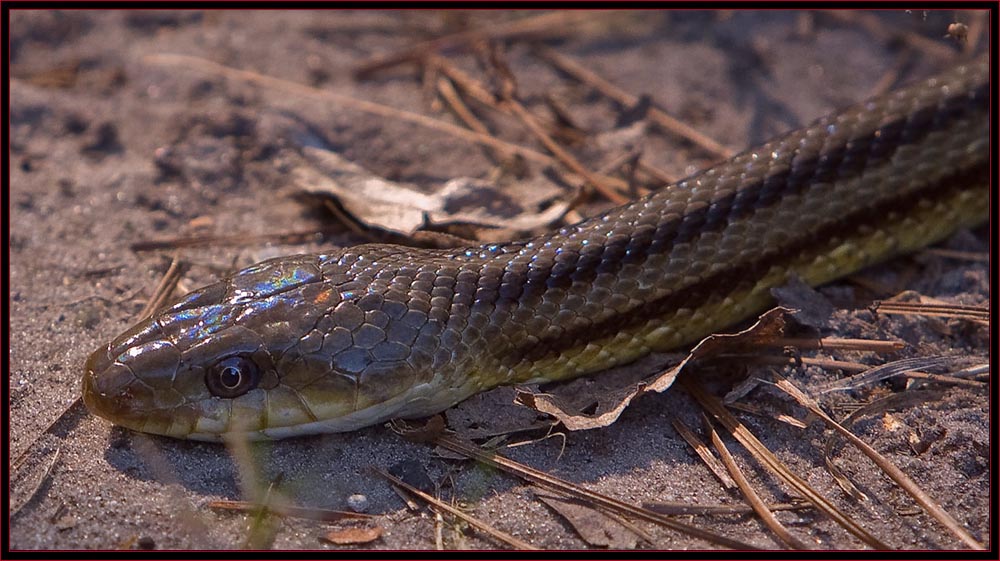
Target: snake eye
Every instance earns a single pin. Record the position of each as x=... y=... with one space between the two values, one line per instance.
x=232 y=376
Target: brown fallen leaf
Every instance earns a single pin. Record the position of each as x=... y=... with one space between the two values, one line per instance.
x=353 y=536
x=593 y=527
x=610 y=405
x=426 y=432
x=404 y=208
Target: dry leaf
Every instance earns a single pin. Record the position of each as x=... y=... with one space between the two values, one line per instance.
x=353 y=536
x=593 y=527
x=426 y=432
x=404 y=208
x=610 y=404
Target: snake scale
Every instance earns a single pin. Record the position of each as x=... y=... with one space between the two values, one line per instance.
x=333 y=342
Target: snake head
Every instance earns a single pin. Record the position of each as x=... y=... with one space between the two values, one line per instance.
x=289 y=346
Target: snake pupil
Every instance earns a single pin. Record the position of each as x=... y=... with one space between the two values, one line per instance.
x=232 y=376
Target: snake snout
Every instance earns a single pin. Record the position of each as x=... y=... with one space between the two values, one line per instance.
x=109 y=391
x=96 y=397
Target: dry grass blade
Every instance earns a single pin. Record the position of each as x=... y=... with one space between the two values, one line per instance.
x=289 y=511
x=977 y=25
x=261 y=530
x=204 y=65
x=955 y=378
x=873 y=24
x=454 y=101
x=829 y=364
x=700 y=448
x=974 y=371
x=166 y=287
x=502 y=536
x=843 y=481
x=631 y=526
x=628 y=163
x=656 y=173
x=764 y=412
x=972 y=313
x=545 y=480
x=467 y=83
x=349 y=221
x=890 y=402
x=550 y=24
x=377 y=109
x=834 y=343
x=890 y=469
x=604 y=185
x=298 y=237
x=593 y=525
x=446 y=89
x=23 y=456
x=977 y=256
x=888 y=370
x=714 y=406
x=825 y=363
x=609 y=186
x=751 y=496
x=188 y=517
x=580 y=72
x=686 y=509
x=16 y=508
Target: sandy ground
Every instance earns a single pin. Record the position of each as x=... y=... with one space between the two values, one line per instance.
x=107 y=150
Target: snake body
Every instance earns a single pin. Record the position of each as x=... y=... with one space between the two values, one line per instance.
x=332 y=342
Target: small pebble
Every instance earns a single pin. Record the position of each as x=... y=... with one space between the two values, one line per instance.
x=357 y=503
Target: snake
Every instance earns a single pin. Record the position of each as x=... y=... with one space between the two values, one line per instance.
x=338 y=341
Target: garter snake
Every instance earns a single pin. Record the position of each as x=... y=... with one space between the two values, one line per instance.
x=332 y=342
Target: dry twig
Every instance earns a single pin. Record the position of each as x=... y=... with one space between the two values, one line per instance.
x=714 y=406
x=700 y=448
x=437 y=504
x=345 y=101
x=548 y=481
x=751 y=496
x=672 y=124
x=549 y=24
x=290 y=511
x=897 y=475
